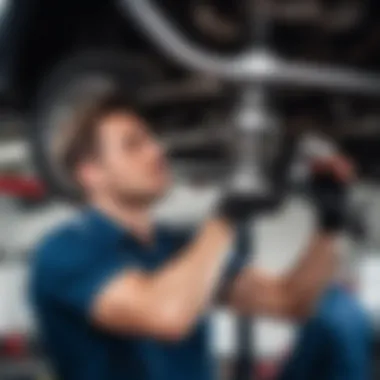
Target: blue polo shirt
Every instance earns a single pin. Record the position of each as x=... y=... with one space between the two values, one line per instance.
x=70 y=267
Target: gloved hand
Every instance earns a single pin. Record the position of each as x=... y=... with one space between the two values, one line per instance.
x=329 y=191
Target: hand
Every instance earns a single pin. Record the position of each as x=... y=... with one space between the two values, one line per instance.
x=329 y=191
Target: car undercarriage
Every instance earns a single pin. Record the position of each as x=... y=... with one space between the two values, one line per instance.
x=326 y=53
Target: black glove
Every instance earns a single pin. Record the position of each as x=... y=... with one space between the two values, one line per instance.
x=330 y=197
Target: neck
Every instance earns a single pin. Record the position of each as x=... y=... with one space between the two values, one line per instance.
x=135 y=218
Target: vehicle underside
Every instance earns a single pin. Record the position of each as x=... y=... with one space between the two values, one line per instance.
x=50 y=49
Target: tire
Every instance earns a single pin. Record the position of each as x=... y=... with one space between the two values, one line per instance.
x=75 y=77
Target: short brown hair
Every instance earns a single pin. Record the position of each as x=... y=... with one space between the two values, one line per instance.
x=77 y=140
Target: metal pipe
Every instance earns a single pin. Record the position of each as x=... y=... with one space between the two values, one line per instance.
x=252 y=128
x=244 y=367
x=254 y=66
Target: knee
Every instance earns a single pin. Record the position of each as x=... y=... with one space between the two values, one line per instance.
x=342 y=317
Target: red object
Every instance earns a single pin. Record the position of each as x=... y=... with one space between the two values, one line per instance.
x=14 y=345
x=22 y=187
x=267 y=370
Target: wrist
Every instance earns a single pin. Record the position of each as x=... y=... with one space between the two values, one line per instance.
x=331 y=220
x=221 y=224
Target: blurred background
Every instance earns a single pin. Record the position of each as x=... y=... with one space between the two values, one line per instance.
x=53 y=54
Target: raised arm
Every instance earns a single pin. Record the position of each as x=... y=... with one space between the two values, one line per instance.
x=168 y=302
x=295 y=294
x=292 y=295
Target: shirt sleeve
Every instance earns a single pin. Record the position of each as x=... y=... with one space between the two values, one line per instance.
x=74 y=270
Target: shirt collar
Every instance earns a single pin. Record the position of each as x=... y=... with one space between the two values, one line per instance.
x=110 y=231
x=104 y=227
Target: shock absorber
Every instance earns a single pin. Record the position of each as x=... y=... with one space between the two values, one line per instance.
x=255 y=144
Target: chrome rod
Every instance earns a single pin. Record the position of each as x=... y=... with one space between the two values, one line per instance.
x=253 y=66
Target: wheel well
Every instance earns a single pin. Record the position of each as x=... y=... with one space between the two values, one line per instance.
x=52 y=40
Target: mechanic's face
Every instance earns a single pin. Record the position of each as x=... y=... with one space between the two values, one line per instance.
x=130 y=164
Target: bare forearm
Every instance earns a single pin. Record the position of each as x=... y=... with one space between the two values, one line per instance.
x=187 y=285
x=290 y=296
x=314 y=271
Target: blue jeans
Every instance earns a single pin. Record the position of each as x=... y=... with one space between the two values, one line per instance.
x=334 y=344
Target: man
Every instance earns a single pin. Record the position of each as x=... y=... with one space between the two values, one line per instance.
x=120 y=298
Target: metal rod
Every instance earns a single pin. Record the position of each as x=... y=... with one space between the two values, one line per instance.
x=254 y=66
x=244 y=365
x=252 y=125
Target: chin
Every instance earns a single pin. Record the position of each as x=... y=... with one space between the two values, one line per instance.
x=162 y=191
x=164 y=185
